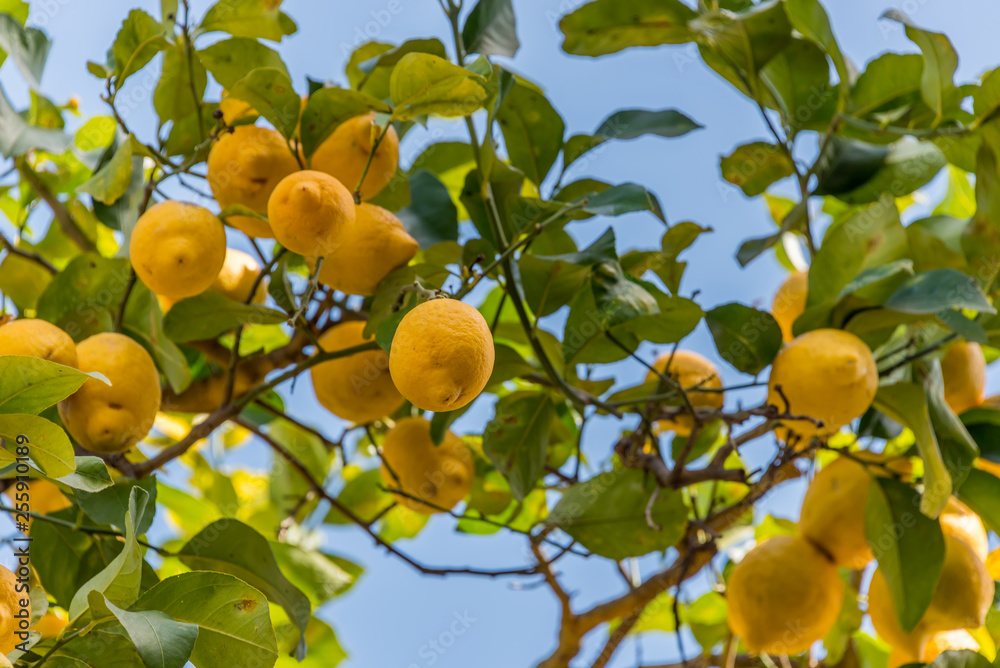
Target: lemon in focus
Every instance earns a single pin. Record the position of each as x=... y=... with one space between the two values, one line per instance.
x=308 y=210
x=440 y=475
x=37 y=338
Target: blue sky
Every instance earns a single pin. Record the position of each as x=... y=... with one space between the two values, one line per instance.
x=390 y=617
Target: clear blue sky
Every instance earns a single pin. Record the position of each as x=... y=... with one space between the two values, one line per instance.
x=388 y=618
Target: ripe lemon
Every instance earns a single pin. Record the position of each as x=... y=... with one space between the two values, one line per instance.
x=790 y=302
x=964 y=593
x=178 y=248
x=308 y=210
x=959 y=521
x=783 y=596
x=113 y=419
x=50 y=624
x=10 y=605
x=442 y=355
x=945 y=641
x=344 y=153
x=37 y=338
x=234 y=109
x=833 y=512
x=243 y=168
x=237 y=276
x=439 y=474
x=886 y=623
x=357 y=388
x=826 y=374
x=371 y=248
x=964 y=370
x=690 y=370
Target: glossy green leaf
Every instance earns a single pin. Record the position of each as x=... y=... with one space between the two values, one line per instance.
x=748 y=39
x=810 y=19
x=606 y=515
x=798 y=77
x=608 y=26
x=83 y=298
x=937 y=289
x=424 y=84
x=143 y=321
x=889 y=80
x=745 y=337
x=31 y=384
x=91 y=475
x=911 y=559
x=629 y=124
x=270 y=92
x=621 y=199
x=210 y=314
x=490 y=29
x=110 y=182
x=48 y=445
x=517 y=438
x=111 y=504
x=230 y=60
x=431 y=216
x=181 y=88
x=532 y=130
x=321 y=577
x=248 y=18
x=161 y=641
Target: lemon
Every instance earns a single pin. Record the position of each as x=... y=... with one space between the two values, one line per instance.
x=113 y=419
x=964 y=593
x=826 y=374
x=442 y=355
x=441 y=475
x=964 y=370
x=37 y=338
x=345 y=152
x=959 y=521
x=783 y=596
x=43 y=496
x=693 y=373
x=243 y=168
x=790 y=302
x=886 y=623
x=833 y=512
x=234 y=109
x=237 y=276
x=308 y=210
x=178 y=248
x=50 y=624
x=357 y=388
x=945 y=641
x=371 y=248
x=10 y=606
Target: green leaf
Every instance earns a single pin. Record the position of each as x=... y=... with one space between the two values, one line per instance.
x=248 y=18
x=906 y=403
x=745 y=337
x=143 y=321
x=47 y=443
x=270 y=92
x=119 y=581
x=22 y=281
x=748 y=39
x=110 y=182
x=161 y=641
x=980 y=492
x=83 y=298
x=324 y=648
x=17 y=137
x=114 y=648
x=371 y=65
x=56 y=555
x=532 y=131
x=549 y=285
x=229 y=546
x=911 y=559
x=31 y=384
x=423 y=84
x=755 y=166
x=799 y=79
x=810 y=19
x=937 y=85
x=91 y=475
x=630 y=124
x=16 y=8
x=320 y=576
x=139 y=39
x=111 y=504
x=210 y=314
x=621 y=199
x=234 y=625
x=232 y=59
x=937 y=289
x=517 y=438
x=606 y=515
x=181 y=87
x=860 y=173
x=362 y=495
x=490 y=29
x=431 y=216
x=29 y=47
x=329 y=107
x=888 y=81
x=608 y=26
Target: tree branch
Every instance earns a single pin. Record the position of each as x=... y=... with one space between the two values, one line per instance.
x=59 y=210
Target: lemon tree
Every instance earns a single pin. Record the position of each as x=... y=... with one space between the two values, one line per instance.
x=169 y=292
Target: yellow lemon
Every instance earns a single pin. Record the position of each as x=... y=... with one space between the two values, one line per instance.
x=993 y=564
x=945 y=641
x=790 y=302
x=357 y=388
x=308 y=210
x=178 y=248
x=113 y=419
x=693 y=373
x=371 y=248
x=234 y=109
x=37 y=338
x=442 y=355
x=825 y=374
x=964 y=593
x=959 y=521
x=833 y=512
x=11 y=602
x=50 y=624
x=243 y=168
x=237 y=276
x=886 y=623
x=441 y=475
x=964 y=370
x=344 y=153
x=783 y=596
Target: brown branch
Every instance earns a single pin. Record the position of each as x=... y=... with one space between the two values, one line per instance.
x=27 y=255
x=59 y=210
